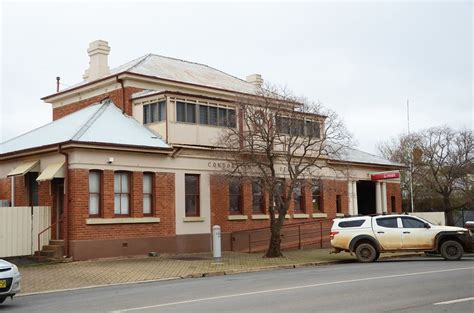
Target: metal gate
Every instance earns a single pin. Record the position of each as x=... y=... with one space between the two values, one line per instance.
x=19 y=227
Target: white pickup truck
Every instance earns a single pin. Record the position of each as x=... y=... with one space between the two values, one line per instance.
x=368 y=236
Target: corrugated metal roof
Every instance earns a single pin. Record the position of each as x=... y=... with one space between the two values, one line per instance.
x=99 y=123
x=353 y=155
x=183 y=71
x=146 y=92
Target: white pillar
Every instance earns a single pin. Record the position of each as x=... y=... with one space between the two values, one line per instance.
x=378 y=198
x=384 y=198
x=216 y=243
x=355 y=207
x=350 y=198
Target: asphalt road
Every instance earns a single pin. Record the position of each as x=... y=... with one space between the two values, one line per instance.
x=424 y=284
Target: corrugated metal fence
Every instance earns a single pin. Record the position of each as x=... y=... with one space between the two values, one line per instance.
x=19 y=228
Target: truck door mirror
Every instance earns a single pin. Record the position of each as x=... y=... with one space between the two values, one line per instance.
x=427 y=226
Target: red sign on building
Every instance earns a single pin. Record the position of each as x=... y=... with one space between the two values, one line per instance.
x=385 y=175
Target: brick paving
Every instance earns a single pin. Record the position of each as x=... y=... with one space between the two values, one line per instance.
x=80 y=274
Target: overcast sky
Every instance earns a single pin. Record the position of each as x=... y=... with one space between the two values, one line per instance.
x=361 y=59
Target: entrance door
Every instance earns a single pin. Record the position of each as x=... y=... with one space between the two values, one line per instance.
x=59 y=204
x=366 y=197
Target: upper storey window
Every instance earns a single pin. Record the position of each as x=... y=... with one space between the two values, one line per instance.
x=154 y=112
x=186 y=112
x=205 y=114
x=297 y=127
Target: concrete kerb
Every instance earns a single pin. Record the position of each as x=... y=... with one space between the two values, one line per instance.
x=212 y=274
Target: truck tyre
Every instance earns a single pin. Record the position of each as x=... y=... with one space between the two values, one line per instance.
x=2 y=299
x=366 y=253
x=451 y=250
x=377 y=256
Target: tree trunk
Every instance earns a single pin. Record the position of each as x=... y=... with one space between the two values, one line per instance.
x=448 y=211
x=274 y=247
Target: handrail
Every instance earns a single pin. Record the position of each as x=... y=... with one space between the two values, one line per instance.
x=319 y=222
x=315 y=220
x=44 y=230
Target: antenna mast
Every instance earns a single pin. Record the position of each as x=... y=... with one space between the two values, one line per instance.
x=410 y=151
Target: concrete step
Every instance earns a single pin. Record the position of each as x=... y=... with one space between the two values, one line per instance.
x=52 y=251
x=56 y=242
x=47 y=254
x=52 y=248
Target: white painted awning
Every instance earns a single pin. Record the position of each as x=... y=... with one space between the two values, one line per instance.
x=24 y=168
x=55 y=170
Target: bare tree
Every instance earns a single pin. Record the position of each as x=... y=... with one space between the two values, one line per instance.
x=443 y=165
x=280 y=140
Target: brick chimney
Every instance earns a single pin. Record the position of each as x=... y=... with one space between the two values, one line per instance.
x=98 y=63
x=255 y=79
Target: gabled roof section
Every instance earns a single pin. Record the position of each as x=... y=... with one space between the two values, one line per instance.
x=180 y=70
x=98 y=123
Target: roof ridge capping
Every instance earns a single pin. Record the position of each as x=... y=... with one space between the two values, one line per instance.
x=192 y=62
x=91 y=120
x=155 y=135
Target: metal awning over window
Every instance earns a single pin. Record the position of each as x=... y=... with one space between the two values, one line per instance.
x=24 y=168
x=55 y=170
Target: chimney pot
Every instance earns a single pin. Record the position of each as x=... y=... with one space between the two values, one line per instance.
x=98 y=60
x=255 y=79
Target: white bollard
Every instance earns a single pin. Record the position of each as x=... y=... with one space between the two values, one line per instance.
x=216 y=243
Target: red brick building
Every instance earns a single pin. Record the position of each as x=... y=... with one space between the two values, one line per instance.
x=127 y=168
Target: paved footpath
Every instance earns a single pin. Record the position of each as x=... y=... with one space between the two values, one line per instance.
x=83 y=274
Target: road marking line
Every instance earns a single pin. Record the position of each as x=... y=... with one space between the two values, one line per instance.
x=454 y=301
x=287 y=289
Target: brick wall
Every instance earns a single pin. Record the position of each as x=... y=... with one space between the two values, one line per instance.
x=136 y=201
x=329 y=190
x=5 y=188
x=220 y=204
x=115 y=96
x=165 y=206
x=79 y=211
x=45 y=194
x=393 y=189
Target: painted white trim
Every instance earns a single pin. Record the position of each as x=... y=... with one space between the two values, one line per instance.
x=319 y=215
x=192 y=219
x=122 y=220
x=237 y=217
x=260 y=217
x=300 y=215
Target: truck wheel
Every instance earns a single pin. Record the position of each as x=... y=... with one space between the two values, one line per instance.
x=451 y=250
x=366 y=253
x=2 y=299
